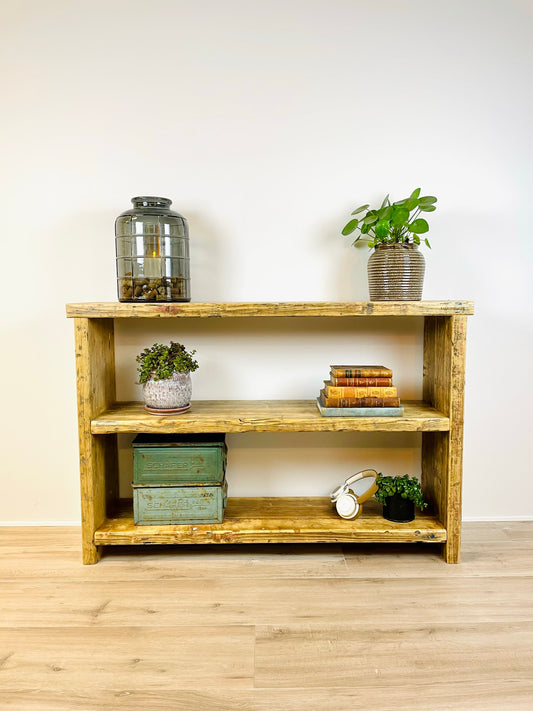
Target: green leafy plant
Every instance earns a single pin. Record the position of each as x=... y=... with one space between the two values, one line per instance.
x=161 y=362
x=393 y=223
x=407 y=487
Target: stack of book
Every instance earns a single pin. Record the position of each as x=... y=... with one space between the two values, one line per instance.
x=359 y=391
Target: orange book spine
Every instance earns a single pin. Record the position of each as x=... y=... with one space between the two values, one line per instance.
x=362 y=382
x=358 y=401
x=341 y=391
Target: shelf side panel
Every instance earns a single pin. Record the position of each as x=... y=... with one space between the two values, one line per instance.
x=442 y=458
x=95 y=371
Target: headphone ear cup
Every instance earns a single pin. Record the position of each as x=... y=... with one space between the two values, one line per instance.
x=347 y=506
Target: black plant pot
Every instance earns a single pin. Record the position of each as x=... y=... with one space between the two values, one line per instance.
x=398 y=510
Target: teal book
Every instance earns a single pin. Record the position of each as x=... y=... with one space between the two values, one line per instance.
x=358 y=411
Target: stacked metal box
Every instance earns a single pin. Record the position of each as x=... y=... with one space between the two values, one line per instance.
x=179 y=479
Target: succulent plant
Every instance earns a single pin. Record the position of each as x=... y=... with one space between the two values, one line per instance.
x=160 y=362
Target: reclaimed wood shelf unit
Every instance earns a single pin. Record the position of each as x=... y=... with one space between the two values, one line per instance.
x=439 y=417
x=273 y=520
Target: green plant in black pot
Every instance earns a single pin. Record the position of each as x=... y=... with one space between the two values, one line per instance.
x=392 y=223
x=165 y=374
x=399 y=496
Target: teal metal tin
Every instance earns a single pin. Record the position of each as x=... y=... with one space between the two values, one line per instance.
x=162 y=504
x=179 y=459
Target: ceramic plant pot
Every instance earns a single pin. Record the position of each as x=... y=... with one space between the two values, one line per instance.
x=170 y=394
x=396 y=273
x=398 y=509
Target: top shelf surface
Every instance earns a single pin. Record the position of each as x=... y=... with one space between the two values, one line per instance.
x=253 y=309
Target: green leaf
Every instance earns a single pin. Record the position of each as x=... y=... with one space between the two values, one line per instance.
x=382 y=228
x=360 y=209
x=350 y=227
x=419 y=226
x=400 y=215
x=416 y=239
x=427 y=242
x=371 y=218
x=365 y=229
x=385 y=201
x=427 y=200
x=427 y=208
x=385 y=213
x=414 y=195
x=411 y=203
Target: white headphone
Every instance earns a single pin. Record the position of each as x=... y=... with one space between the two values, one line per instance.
x=357 y=489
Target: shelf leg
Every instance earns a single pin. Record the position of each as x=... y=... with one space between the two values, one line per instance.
x=90 y=553
x=442 y=452
x=95 y=373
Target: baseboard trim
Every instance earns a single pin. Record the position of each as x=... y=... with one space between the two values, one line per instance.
x=496 y=519
x=20 y=524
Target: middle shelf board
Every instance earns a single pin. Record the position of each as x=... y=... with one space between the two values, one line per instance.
x=274 y=520
x=263 y=416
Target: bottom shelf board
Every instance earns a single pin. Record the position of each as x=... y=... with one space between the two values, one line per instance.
x=274 y=520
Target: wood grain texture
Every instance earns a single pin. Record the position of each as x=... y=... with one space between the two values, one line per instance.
x=398 y=630
x=421 y=655
x=489 y=549
x=274 y=520
x=494 y=695
x=95 y=374
x=439 y=418
x=482 y=555
x=284 y=309
x=443 y=387
x=56 y=557
x=289 y=601
x=166 y=658
x=262 y=416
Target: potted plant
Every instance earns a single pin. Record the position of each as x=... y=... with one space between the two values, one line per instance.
x=396 y=267
x=399 y=496
x=165 y=374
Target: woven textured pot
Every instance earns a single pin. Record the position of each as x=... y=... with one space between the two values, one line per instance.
x=396 y=273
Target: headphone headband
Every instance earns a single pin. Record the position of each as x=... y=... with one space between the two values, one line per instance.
x=343 y=488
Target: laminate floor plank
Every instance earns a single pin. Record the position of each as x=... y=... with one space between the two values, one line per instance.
x=265 y=601
x=414 y=657
x=25 y=556
x=126 y=658
x=492 y=696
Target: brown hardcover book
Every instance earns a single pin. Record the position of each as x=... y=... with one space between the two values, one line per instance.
x=347 y=391
x=358 y=401
x=360 y=371
x=362 y=382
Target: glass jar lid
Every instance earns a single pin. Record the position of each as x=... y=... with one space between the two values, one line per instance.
x=148 y=201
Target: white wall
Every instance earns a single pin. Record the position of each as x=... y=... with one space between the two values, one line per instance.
x=266 y=123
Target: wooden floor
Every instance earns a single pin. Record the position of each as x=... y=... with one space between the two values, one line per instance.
x=277 y=628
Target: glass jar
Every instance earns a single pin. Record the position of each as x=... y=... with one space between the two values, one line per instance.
x=152 y=251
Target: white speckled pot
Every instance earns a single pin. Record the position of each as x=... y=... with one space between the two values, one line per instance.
x=168 y=394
